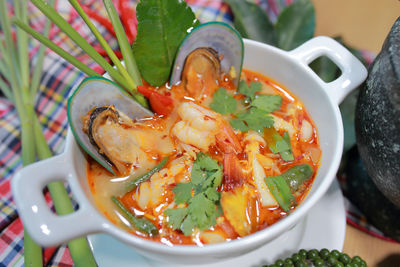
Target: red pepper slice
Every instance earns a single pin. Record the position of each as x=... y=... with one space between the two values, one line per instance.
x=160 y=104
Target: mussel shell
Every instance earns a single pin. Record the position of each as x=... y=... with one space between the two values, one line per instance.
x=96 y=92
x=216 y=35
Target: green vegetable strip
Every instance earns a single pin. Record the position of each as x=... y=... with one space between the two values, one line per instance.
x=61 y=52
x=281 y=192
x=32 y=252
x=141 y=224
x=53 y=15
x=103 y=43
x=6 y=90
x=123 y=42
x=147 y=175
x=21 y=9
x=79 y=248
x=297 y=175
x=37 y=71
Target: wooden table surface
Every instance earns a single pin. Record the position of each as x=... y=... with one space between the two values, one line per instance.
x=363 y=24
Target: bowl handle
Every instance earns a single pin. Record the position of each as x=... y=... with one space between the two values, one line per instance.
x=44 y=226
x=353 y=71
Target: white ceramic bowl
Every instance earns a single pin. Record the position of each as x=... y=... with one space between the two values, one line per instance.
x=289 y=69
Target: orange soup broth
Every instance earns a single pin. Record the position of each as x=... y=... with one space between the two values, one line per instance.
x=104 y=185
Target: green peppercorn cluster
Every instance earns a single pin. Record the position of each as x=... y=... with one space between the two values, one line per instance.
x=322 y=258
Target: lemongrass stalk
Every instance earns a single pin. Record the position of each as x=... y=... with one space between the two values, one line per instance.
x=21 y=9
x=6 y=27
x=3 y=69
x=123 y=42
x=79 y=248
x=58 y=50
x=56 y=18
x=37 y=70
x=126 y=51
x=10 y=52
x=6 y=90
x=103 y=43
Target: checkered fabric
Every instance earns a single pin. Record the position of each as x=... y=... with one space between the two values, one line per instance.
x=58 y=78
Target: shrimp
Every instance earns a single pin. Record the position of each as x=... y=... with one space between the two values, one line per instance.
x=150 y=193
x=197 y=127
x=202 y=128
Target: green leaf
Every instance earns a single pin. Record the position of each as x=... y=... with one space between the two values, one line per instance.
x=267 y=103
x=212 y=194
x=203 y=211
x=295 y=24
x=162 y=25
x=249 y=91
x=188 y=225
x=252 y=21
x=203 y=168
x=256 y=119
x=223 y=102
x=282 y=146
x=183 y=192
x=239 y=124
x=325 y=69
x=176 y=217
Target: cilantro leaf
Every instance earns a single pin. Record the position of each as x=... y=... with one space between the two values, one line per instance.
x=223 y=102
x=282 y=146
x=239 y=124
x=267 y=103
x=249 y=91
x=183 y=192
x=203 y=211
x=188 y=225
x=256 y=119
x=204 y=168
x=176 y=217
x=212 y=194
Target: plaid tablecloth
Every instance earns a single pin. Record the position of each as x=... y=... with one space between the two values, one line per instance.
x=59 y=77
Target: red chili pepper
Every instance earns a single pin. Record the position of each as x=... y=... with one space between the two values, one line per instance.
x=128 y=18
x=160 y=104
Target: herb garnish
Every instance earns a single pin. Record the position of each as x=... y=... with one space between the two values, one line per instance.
x=223 y=102
x=201 y=196
x=258 y=107
x=278 y=144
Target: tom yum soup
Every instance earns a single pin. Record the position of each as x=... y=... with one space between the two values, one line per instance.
x=214 y=163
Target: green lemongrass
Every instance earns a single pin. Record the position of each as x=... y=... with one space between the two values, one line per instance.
x=6 y=90
x=21 y=10
x=79 y=247
x=123 y=42
x=32 y=251
x=10 y=54
x=126 y=51
x=6 y=27
x=56 y=18
x=103 y=43
x=58 y=50
x=37 y=71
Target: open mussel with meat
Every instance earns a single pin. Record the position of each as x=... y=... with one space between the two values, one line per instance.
x=100 y=115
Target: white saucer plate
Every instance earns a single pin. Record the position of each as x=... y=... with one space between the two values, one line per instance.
x=323 y=227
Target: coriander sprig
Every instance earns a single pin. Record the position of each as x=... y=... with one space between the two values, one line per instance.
x=200 y=196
